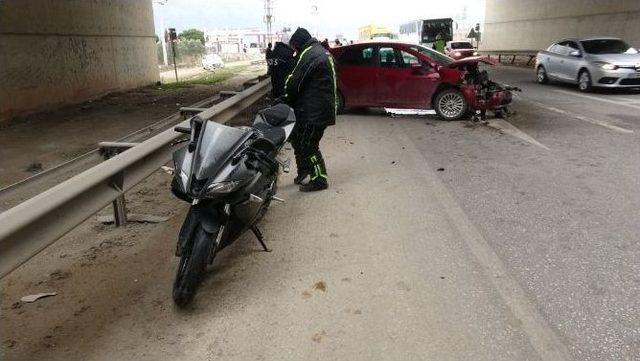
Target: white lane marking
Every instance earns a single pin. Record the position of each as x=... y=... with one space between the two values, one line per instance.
x=599 y=122
x=597 y=98
x=510 y=129
x=541 y=335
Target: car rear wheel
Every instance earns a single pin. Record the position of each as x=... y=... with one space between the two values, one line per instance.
x=542 y=75
x=584 y=81
x=451 y=104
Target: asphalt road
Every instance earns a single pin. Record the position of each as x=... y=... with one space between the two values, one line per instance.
x=564 y=220
x=436 y=241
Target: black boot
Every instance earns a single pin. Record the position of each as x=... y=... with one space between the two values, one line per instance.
x=318 y=180
x=315 y=185
x=299 y=179
x=305 y=169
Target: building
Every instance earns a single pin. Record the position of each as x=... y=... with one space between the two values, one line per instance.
x=237 y=40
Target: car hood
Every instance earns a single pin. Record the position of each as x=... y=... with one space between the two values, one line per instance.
x=471 y=60
x=617 y=59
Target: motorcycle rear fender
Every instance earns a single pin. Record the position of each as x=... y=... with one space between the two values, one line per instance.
x=208 y=217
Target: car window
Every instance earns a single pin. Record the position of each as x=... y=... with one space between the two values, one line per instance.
x=408 y=59
x=436 y=56
x=559 y=48
x=461 y=45
x=387 y=57
x=607 y=46
x=357 y=56
x=572 y=45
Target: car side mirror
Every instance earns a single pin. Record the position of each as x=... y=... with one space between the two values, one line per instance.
x=575 y=53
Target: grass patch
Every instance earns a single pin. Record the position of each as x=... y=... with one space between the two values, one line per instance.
x=207 y=78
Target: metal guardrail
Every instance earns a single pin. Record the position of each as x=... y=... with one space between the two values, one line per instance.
x=531 y=54
x=18 y=192
x=33 y=225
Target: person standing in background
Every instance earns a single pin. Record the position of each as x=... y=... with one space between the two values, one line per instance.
x=280 y=62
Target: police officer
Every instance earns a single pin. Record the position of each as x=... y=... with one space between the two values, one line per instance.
x=311 y=90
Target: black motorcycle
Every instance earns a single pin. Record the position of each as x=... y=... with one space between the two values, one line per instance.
x=230 y=176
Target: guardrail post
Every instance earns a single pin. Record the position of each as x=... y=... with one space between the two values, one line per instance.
x=110 y=149
x=531 y=57
x=499 y=58
x=513 y=60
x=119 y=204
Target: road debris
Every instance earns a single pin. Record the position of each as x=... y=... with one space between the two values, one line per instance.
x=37 y=296
x=34 y=167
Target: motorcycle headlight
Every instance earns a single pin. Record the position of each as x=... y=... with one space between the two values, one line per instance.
x=222 y=187
x=606 y=66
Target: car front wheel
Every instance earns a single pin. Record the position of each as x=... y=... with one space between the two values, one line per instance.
x=584 y=81
x=542 y=75
x=451 y=104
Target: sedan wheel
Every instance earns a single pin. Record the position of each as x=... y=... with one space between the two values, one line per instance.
x=451 y=104
x=542 y=75
x=584 y=81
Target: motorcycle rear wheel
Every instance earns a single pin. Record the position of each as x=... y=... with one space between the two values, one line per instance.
x=193 y=263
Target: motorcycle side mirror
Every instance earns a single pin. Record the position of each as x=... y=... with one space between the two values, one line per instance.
x=196 y=127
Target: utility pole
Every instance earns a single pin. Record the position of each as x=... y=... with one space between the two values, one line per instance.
x=163 y=40
x=314 y=15
x=173 y=37
x=268 y=17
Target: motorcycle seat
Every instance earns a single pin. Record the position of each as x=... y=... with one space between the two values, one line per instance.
x=277 y=114
x=276 y=135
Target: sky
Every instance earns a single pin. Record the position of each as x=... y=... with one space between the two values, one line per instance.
x=333 y=16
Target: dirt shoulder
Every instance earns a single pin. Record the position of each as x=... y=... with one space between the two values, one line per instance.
x=40 y=141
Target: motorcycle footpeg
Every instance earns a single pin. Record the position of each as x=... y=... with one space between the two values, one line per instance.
x=277 y=199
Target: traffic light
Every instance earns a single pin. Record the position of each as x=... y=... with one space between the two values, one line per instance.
x=172 y=34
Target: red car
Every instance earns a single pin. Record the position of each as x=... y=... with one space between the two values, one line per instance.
x=400 y=75
x=460 y=49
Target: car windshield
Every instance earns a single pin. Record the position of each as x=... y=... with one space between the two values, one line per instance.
x=607 y=46
x=438 y=57
x=461 y=45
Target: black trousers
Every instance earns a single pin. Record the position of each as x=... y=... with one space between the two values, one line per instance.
x=305 y=139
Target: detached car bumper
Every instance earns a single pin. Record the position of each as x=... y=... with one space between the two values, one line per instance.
x=618 y=78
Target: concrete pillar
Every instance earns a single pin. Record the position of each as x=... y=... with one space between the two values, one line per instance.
x=56 y=52
x=535 y=24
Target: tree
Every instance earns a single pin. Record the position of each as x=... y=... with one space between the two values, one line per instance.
x=192 y=34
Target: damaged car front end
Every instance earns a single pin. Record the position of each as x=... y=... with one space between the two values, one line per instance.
x=481 y=93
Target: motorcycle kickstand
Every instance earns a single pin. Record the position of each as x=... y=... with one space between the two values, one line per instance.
x=258 y=234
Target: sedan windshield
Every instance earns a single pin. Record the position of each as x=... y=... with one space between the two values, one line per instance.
x=607 y=46
x=461 y=45
x=438 y=57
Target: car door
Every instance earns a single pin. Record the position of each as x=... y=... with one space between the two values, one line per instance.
x=357 y=75
x=570 y=64
x=553 y=57
x=387 y=74
x=404 y=81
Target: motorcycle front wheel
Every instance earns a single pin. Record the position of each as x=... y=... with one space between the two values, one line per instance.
x=192 y=266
